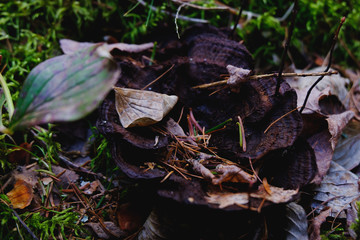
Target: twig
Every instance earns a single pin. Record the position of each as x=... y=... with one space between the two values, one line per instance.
x=272 y=124
x=21 y=221
x=328 y=66
x=237 y=19
x=154 y=81
x=286 y=47
x=255 y=77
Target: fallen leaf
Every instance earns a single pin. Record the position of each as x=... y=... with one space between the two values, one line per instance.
x=347 y=151
x=232 y=173
x=199 y=168
x=70 y=46
x=279 y=195
x=20 y=155
x=94 y=185
x=65 y=88
x=67 y=176
x=297 y=224
x=337 y=190
x=337 y=123
x=316 y=222
x=335 y=83
x=101 y=233
x=21 y=195
x=320 y=142
x=237 y=75
x=142 y=108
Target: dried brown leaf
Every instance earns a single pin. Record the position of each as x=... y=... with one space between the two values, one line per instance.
x=232 y=173
x=279 y=195
x=142 y=108
x=21 y=195
x=337 y=123
x=199 y=168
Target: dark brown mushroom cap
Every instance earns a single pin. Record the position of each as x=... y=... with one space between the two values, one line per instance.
x=208 y=52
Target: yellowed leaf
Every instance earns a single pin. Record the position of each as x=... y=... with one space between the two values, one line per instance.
x=138 y=108
x=21 y=195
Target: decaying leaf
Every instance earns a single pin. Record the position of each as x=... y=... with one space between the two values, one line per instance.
x=337 y=190
x=337 y=123
x=335 y=83
x=65 y=88
x=232 y=173
x=21 y=195
x=278 y=195
x=237 y=75
x=142 y=108
x=110 y=226
x=198 y=167
x=296 y=226
x=67 y=176
x=347 y=151
x=316 y=222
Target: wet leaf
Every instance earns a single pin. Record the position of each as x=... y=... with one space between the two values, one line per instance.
x=65 y=88
x=142 y=108
x=337 y=190
x=296 y=227
x=278 y=195
x=347 y=151
x=21 y=195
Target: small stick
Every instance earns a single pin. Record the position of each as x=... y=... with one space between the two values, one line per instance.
x=272 y=124
x=158 y=77
x=237 y=19
x=255 y=77
x=287 y=44
x=328 y=66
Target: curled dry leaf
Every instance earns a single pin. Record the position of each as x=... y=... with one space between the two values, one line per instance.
x=237 y=75
x=138 y=108
x=337 y=123
x=232 y=173
x=279 y=195
x=198 y=167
